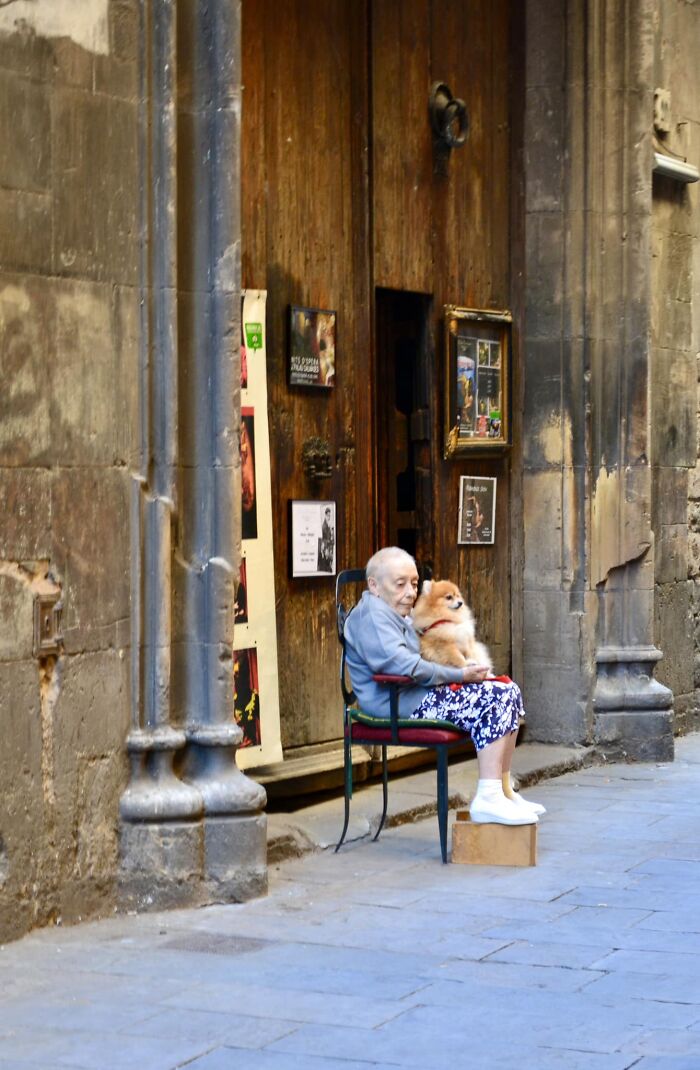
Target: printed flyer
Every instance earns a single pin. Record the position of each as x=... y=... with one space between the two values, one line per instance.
x=477 y=510
x=256 y=687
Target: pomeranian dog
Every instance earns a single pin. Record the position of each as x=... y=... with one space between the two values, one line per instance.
x=445 y=624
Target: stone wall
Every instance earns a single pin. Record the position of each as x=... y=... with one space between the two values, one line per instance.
x=675 y=354
x=69 y=335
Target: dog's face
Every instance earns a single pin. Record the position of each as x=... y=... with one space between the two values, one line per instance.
x=440 y=600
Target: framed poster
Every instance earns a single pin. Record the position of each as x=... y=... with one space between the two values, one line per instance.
x=312 y=347
x=477 y=350
x=477 y=511
x=313 y=538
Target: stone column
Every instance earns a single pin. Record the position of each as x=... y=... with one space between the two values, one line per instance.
x=209 y=123
x=159 y=841
x=589 y=648
x=632 y=711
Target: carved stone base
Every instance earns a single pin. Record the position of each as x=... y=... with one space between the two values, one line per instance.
x=160 y=865
x=635 y=735
x=210 y=766
x=154 y=793
x=186 y=864
x=235 y=858
x=220 y=854
x=633 y=712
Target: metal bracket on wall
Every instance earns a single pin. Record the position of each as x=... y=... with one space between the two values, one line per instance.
x=48 y=637
x=316 y=458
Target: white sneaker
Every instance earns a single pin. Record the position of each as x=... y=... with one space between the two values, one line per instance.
x=535 y=808
x=500 y=811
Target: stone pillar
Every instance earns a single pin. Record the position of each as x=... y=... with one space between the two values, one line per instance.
x=589 y=562
x=192 y=830
x=632 y=711
x=235 y=840
x=159 y=841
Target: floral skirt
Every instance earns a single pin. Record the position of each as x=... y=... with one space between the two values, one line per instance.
x=487 y=711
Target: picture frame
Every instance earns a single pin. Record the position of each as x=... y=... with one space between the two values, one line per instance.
x=477 y=380
x=477 y=511
x=312 y=347
x=313 y=538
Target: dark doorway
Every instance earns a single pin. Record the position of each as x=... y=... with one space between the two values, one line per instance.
x=404 y=483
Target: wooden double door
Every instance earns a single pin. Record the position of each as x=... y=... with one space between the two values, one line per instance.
x=347 y=205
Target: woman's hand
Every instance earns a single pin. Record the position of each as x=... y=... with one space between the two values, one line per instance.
x=474 y=674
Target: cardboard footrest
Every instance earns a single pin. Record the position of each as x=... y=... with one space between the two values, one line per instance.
x=492 y=844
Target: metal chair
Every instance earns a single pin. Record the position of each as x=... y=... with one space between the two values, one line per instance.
x=359 y=726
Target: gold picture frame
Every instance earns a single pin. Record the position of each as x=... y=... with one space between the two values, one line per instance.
x=477 y=379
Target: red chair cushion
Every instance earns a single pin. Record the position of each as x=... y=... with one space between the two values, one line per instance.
x=426 y=737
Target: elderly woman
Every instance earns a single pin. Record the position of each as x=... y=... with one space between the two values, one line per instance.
x=380 y=640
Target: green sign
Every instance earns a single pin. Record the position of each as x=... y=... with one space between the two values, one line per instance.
x=253 y=335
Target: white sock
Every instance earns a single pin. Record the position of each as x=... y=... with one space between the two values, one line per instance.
x=489 y=789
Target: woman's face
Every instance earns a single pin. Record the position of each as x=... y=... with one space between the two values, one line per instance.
x=397 y=585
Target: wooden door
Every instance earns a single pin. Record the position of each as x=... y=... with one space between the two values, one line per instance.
x=441 y=227
x=305 y=239
x=340 y=198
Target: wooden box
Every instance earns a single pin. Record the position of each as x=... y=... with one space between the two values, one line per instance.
x=492 y=844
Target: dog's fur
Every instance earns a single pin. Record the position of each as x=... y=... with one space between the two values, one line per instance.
x=453 y=640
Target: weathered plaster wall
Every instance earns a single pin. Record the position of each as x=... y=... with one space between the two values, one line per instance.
x=675 y=367
x=69 y=330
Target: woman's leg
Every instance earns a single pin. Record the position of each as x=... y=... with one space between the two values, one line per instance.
x=508 y=789
x=495 y=758
x=507 y=781
x=494 y=799
x=490 y=802
x=491 y=712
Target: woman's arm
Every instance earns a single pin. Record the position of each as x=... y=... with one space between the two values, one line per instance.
x=383 y=645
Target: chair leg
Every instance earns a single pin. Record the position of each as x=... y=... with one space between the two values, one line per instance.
x=442 y=798
x=385 y=793
x=347 y=782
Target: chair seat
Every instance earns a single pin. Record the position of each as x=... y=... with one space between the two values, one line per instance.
x=423 y=737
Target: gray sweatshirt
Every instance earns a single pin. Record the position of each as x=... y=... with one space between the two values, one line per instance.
x=380 y=640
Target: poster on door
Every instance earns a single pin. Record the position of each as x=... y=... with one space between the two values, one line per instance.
x=255 y=681
x=477 y=510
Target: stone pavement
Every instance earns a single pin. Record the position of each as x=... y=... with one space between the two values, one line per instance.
x=382 y=957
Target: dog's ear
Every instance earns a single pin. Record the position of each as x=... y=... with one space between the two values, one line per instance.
x=427 y=584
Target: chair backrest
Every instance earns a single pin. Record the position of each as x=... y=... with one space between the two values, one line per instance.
x=342 y=609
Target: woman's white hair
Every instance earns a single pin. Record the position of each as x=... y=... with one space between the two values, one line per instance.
x=375 y=567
